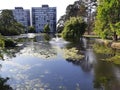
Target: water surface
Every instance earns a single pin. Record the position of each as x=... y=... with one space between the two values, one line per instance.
x=37 y=64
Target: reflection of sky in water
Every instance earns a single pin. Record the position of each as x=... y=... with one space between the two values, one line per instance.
x=19 y=74
x=33 y=73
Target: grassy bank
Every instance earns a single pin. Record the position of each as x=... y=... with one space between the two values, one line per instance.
x=110 y=50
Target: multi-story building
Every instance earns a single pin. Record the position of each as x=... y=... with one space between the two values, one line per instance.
x=42 y=16
x=22 y=16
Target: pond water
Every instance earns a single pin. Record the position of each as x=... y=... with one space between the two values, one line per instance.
x=37 y=64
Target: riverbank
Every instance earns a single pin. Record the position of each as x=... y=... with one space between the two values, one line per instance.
x=106 y=47
x=115 y=58
x=111 y=43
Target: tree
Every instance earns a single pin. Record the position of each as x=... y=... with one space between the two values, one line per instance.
x=78 y=9
x=108 y=19
x=46 y=28
x=8 y=25
x=31 y=29
x=60 y=23
x=91 y=12
x=2 y=44
x=74 y=28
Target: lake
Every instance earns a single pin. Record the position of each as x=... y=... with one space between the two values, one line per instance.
x=37 y=64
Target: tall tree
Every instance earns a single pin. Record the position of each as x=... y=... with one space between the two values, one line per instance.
x=91 y=12
x=8 y=25
x=108 y=19
x=31 y=29
x=78 y=9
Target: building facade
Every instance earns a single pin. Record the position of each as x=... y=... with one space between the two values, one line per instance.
x=22 y=16
x=42 y=16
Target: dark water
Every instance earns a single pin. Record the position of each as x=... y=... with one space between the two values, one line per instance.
x=39 y=65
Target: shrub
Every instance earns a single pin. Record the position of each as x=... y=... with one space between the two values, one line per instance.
x=9 y=43
x=2 y=44
x=74 y=28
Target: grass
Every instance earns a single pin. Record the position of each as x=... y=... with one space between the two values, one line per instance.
x=109 y=54
x=115 y=59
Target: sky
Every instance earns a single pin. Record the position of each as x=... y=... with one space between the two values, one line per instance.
x=27 y=4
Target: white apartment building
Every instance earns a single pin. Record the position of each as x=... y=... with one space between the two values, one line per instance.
x=22 y=16
x=42 y=16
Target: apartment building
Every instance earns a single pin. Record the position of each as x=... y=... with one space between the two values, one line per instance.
x=42 y=16
x=22 y=16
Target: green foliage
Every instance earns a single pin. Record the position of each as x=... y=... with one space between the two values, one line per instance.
x=74 y=28
x=1 y=56
x=2 y=44
x=78 y=9
x=101 y=81
x=110 y=55
x=115 y=59
x=47 y=37
x=31 y=29
x=8 y=25
x=9 y=43
x=47 y=28
x=4 y=85
x=108 y=19
x=102 y=49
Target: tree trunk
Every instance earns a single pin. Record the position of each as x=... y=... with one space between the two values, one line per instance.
x=115 y=37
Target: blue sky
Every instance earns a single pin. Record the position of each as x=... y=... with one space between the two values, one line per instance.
x=27 y=4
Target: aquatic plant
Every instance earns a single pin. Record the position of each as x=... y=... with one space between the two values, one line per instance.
x=72 y=54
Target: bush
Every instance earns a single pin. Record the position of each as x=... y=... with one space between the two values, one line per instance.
x=31 y=29
x=74 y=28
x=47 y=28
x=2 y=44
x=9 y=43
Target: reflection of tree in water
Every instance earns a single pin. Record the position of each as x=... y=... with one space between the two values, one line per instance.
x=85 y=47
x=105 y=78
x=85 y=64
x=79 y=45
x=3 y=83
x=47 y=37
x=9 y=53
x=1 y=55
